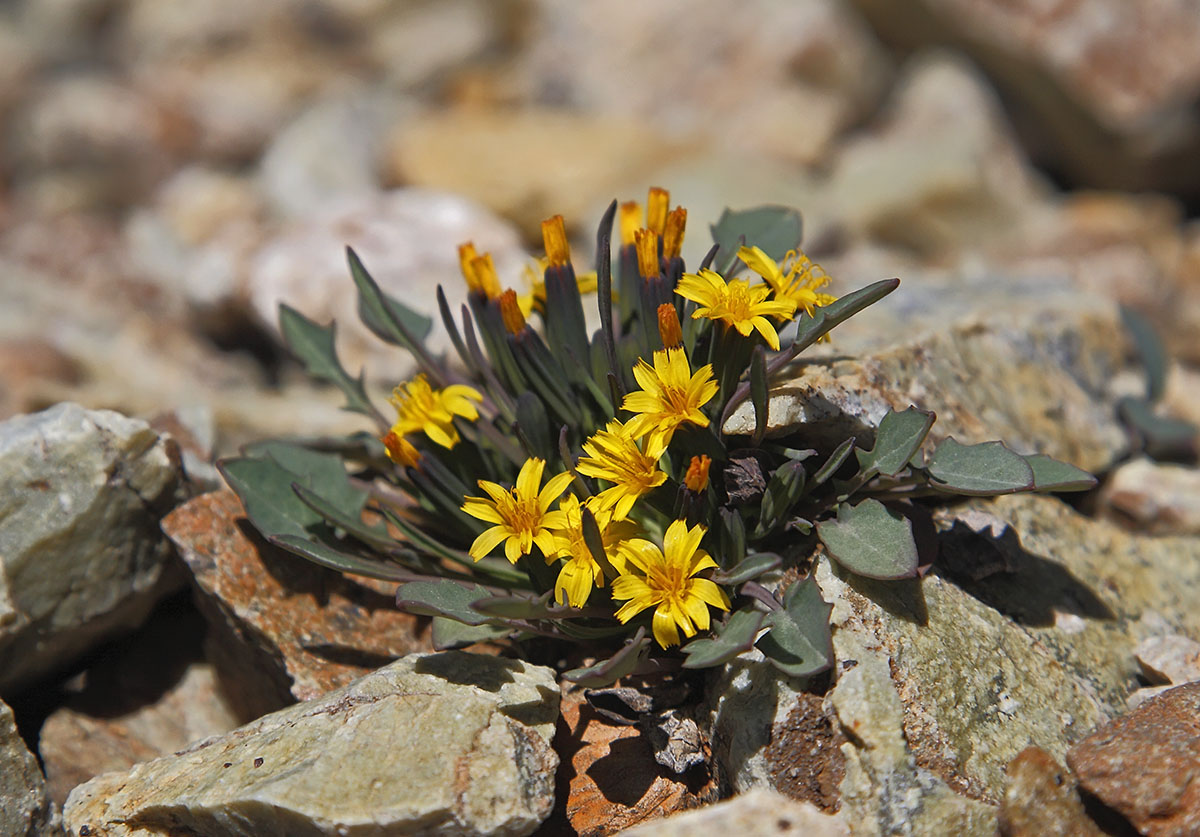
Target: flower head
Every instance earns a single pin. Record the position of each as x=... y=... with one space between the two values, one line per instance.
x=796 y=284
x=665 y=579
x=581 y=572
x=478 y=271
x=670 y=396
x=521 y=513
x=421 y=407
x=400 y=450
x=735 y=303
x=613 y=455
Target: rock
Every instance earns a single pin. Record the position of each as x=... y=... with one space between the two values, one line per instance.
x=1102 y=89
x=940 y=171
x=916 y=740
x=610 y=779
x=82 y=554
x=410 y=43
x=1144 y=764
x=140 y=698
x=757 y=813
x=449 y=743
x=1173 y=659
x=408 y=239
x=1155 y=497
x=1042 y=798
x=528 y=164
x=25 y=809
x=936 y=343
x=281 y=628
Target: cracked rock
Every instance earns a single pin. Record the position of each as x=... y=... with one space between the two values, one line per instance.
x=451 y=743
x=81 y=554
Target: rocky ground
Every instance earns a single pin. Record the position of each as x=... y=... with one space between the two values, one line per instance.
x=169 y=173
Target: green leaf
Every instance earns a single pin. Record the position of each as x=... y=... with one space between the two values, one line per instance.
x=869 y=539
x=533 y=426
x=984 y=469
x=450 y=633
x=335 y=559
x=1150 y=349
x=312 y=345
x=389 y=319
x=751 y=568
x=1052 y=475
x=376 y=536
x=834 y=462
x=620 y=664
x=899 y=437
x=759 y=396
x=515 y=607
x=784 y=488
x=265 y=488
x=731 y=536
x=773 y=229
x=735 y=637
x=443 y=598
x=323 y=473
x=811 y=329
x=799 y=643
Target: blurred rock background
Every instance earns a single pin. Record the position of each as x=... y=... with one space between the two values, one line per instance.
x=170 y=172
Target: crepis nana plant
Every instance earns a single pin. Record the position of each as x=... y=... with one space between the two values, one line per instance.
x=551 y=482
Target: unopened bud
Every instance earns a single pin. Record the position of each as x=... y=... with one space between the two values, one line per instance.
x=696 y=479
x=510 y=312
x=554 y=237
x=668 y=326
x=484 y=271
x=631 y=222
x=656 y=209
x=401 y=451
x=647 y=253
x=673 y=236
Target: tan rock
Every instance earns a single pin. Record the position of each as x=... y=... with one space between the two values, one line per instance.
x=1156 y=497
x=757 y=813
x=1042 y=798
x=450 y=743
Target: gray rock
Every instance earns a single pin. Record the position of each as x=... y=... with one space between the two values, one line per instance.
x=450 y=743
x=1172 y=659
x=25 y=808
x=81 y=553
x=757 y=813
x=1156 y=497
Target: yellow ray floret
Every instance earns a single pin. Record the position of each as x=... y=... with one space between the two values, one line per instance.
x=734 y=303
x=522 y=513
x=580 y=572
x=795 y=281
x=420 y=407
x=665 y=579
x=670 y=396
x=614 y=455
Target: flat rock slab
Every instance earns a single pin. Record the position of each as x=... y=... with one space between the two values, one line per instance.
x=1146 y=765
x=282 y=628
x=451 y=743
x=25 y=808
x=1046 y=363
x=758 y=813
x=81 y=553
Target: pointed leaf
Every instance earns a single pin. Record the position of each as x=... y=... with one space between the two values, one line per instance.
x=784 y=488
x=1052 y=475
x=899 y=437
x=265 y=489
x=450 y=633
x=869 y=539
x=375 y=535
x=1150 y=349
x=735 y=637
x=443 y=598
x=389 y=319
x=620 y=664
x=984 y=469
x=749 y=569
x=811 y=329
x=313 y=346
x=759 y=396
x=1159 y=436
x=335 y=559
x=514 y=607
x=799 y=643
x=834 y=462
x=321 y=472
x=773 y=229
x=534 y=425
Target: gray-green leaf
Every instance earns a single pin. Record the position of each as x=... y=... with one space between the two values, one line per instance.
x=869 y=539
x=773 y=229
x=389 y=319
x=620 y=664
x=312 y=345
x=335 y=559
x=984 y=469
x=898 y=438
x=1052 y=475
x=443 y=598
x=450 y=633
x=799 y=643
x=735 y=637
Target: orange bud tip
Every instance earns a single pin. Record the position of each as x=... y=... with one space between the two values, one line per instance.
x=401 y=451
x=668 y=326
x=656 y=209
x=673 y=236
x=696 y=479
x=554 y=236
x=631 y=222
x=647 y=253
x=510 y=312
x=486 y=280
x=466 y=255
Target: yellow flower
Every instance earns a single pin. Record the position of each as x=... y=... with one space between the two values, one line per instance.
x=735 y=303
x=797 y=285
x=580 y=572
x=421 y=407
x=670 y=396
x=521 y=514
x=614 y=455
x=665 y=580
